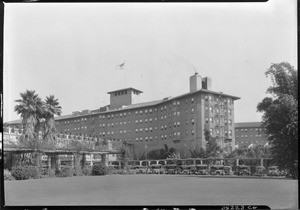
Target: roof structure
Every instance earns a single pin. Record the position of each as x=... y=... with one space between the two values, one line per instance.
x=130 y=88
x=139 y=105
x=247 y=124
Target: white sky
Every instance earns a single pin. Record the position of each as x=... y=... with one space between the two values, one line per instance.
x=71 y=50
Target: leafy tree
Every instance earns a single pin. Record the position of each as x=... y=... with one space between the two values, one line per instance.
x=280 y=114
x=211 y=146
x=126 y=153
x=198 y=152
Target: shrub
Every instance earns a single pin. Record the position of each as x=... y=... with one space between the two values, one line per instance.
x=64 y=171
x=46 y=173
x=25 y=172
x=99 y=169
x=87 y=170
x=7 y=175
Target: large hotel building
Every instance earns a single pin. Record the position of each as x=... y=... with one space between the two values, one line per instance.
x=178 y=122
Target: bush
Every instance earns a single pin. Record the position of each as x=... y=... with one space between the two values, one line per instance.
x=64 y=171
x=47 y=173
x=99 y=169
x=7 y=175
x=25 y=172
x=87 y=170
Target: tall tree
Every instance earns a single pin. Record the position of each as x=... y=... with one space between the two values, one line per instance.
x=280 y=114
x=30 y=109
x=212 y=147
x=50 y=108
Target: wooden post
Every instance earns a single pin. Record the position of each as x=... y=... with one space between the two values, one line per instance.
x=91 y=159
x=48 y=161
x=72 y=160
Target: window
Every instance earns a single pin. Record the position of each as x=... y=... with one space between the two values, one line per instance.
x=150 y=110
x=206 y=119
x=193 y=110
x=150 y=120
x=141 y=129
x=136 y=112
x=193 y=121
x=178 y=103
x=186 y=132
x=136 y=121
x=211 y=120
x=210 y=98
x=141 y=112
x=230 y=122
x=210 y=109
x=146 y=120
x=146 y=129
x=230 y=132
x=193 y=131
x=229 y=111
x=206 y=98
x=146 y=111
x=178 y=113
x=141 y=121
x=192 y=100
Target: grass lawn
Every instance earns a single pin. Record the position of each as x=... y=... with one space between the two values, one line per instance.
x=152 y=190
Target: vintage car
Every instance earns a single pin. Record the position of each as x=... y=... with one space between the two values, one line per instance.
x=184 y=169
x=141 y=169
x=228 y=170
x=217 y=170
x=193 y=169
x=155 y=169
x=202 y=170
x=260 y=171
x=242 y=170
x=273 y=171
x=171 y=169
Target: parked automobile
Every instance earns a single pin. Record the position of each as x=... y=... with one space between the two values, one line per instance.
x=155 y=169
x=273 y=171
x=242 y=170
x=202 y=170
x=192 y=169
x=260 y=171
x=171 y=169
x=184 y=169
x=141 y=169
x=228 y=170
x=217 y=170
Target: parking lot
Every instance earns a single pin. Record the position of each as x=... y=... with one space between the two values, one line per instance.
x=153 y=190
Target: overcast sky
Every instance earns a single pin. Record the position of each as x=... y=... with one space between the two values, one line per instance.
x=71 y=50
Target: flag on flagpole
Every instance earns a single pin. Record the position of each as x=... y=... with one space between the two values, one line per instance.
x=121 y=66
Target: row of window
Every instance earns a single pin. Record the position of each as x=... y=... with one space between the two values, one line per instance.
x=217 y=121
x=246 y=136
x=218 y=99
x=250 y=129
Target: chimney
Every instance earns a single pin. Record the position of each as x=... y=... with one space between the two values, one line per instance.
x=206 y=83
x=195 y=82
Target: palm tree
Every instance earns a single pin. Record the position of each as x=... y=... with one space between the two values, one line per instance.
x=30 y=108
x=50 y=108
